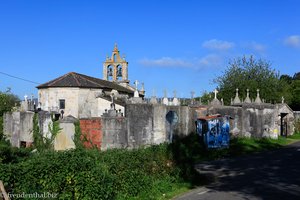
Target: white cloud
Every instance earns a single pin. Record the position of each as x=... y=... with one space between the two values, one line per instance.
x=217 y=44
x=292 y=41
x=210 y=60
x=257 y=47
x=165 y=62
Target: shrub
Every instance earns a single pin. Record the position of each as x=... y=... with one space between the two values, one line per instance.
x=91 y=174
x=9 y=154
x=69 y=174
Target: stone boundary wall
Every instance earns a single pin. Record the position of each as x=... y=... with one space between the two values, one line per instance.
x=114 y=132
x=146 y=124
x=17 y=126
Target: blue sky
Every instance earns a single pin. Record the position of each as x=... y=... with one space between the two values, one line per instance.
x=177 y=45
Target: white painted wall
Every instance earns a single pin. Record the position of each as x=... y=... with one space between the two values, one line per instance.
x=79 y=102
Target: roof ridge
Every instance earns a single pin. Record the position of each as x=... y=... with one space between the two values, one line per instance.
x=74 y=75
x=84 y=81
x=51 y=82
x=87 y=78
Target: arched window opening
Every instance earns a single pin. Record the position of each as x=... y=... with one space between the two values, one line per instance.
x=110 y=73
x=119 y=72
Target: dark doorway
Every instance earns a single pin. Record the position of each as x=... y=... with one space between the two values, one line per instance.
x=283 y=124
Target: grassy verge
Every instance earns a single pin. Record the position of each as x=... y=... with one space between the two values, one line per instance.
x=157 y=172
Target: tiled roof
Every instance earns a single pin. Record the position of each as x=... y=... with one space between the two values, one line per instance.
x=74 y=79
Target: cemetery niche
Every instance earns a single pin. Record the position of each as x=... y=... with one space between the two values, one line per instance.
x=214 y=131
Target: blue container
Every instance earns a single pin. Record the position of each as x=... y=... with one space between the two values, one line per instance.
x=214 y=130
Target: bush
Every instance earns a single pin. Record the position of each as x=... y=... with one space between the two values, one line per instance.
x=69 y=174
x=91 y=174
x=9 y=154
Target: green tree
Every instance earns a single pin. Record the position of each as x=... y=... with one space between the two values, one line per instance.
x=248 y=73
x=295 y=91
x=7 y=102
x=296 y=76
x=205 y=97
x=292 y=90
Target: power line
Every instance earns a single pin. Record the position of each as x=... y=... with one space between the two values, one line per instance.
x=20 y=78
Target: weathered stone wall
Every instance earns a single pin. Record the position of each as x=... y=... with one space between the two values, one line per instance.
x=186 y=119
x=159 y=133
x=65 y=138
x=251 y=120
x=114 y=132
x=289 y=119
x=18 y=127
x=139 y=124
x=146 y=124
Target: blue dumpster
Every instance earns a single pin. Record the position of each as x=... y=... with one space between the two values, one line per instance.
x=214 y=130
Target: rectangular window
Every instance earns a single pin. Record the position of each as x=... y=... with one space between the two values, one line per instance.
x=62 y=104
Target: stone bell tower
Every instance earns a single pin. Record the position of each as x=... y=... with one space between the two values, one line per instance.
x=115 y=68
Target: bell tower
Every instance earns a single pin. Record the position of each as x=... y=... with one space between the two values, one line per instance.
x=115 y=68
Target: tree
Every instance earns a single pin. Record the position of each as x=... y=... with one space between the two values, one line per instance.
x=206 y=97
x=292 y=90
x=296 y=76
x=7 y=102
x=295 y=104
x=247 y=73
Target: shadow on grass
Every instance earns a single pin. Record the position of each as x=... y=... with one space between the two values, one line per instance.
x=187 y=151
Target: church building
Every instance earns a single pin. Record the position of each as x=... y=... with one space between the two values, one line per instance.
x=84 y=96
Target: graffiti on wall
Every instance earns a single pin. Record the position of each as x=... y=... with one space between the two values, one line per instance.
x=214 y=130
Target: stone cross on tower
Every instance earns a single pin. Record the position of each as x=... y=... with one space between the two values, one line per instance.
x=216 y=92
